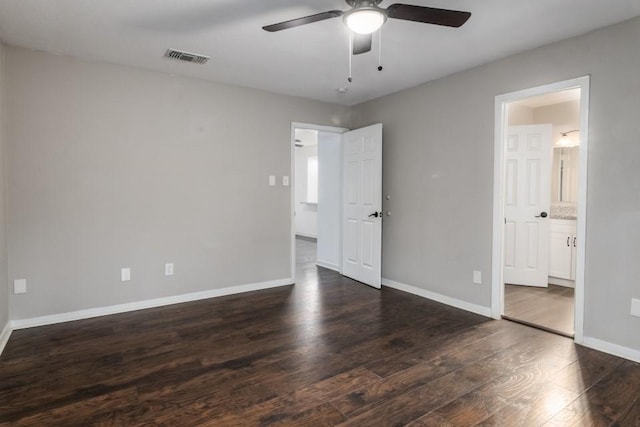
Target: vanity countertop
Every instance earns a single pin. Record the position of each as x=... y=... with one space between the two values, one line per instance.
x=563 y=211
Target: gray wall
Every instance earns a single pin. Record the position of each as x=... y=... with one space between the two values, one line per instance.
x=4 y=285
x=112 y=167
x=438 y=168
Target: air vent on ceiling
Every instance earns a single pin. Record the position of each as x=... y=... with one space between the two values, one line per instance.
x=186 y=56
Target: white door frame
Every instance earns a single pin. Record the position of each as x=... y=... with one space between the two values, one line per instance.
x=292 y=175
x=501 y=101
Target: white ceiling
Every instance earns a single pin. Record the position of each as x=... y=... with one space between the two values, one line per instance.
x=309 y=61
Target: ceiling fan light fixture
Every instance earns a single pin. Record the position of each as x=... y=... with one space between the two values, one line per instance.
x=365 y=20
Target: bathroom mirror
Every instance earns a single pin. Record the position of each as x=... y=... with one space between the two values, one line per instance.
x=564 y=175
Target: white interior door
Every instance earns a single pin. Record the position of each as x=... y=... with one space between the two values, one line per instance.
x=362 y=205
x=528 y=160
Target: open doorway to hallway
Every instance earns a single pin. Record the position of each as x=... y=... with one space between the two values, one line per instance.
x=306 y=201
x=306 y=183
x=316 y=197
x=349 y=200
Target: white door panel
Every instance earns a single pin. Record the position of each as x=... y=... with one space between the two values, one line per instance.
x=362 y=241
x=527 y=194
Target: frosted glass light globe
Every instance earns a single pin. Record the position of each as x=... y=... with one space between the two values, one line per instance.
x=364 y=21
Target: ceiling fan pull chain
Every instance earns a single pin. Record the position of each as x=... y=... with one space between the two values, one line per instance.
x=380 y=49
x=350 y=55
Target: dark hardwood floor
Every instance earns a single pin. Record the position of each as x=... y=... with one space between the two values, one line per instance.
x=551 y=308
x=326 y=351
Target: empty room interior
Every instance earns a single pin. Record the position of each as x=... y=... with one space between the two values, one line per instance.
x=312 y=212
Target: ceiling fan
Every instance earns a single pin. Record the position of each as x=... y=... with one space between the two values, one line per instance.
x=365 y=18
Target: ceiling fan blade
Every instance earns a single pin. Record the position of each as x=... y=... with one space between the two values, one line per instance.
x=302 y=21
x=428 y=15
x=361 y=43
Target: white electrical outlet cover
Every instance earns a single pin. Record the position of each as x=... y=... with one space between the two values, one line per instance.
x=20 y=286
x=125 y=274
x=272 y=180
x=285 y=181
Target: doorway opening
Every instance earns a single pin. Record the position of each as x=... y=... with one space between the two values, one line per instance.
x=316 y=203
x=348 y=211
x=540 y=205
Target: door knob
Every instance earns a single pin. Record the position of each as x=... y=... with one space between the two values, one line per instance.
x=375 y=214
x=542 y=215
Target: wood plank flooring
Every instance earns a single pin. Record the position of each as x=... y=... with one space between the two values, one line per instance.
x=327 y=351
x=551 y=308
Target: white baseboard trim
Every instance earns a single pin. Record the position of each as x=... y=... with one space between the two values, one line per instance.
x=4 y=336
x=140 y=305
x=615 y=349
x=453 y=302
x=329 y=265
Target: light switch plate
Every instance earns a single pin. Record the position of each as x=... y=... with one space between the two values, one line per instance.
x=20 y=286
x=477 y=277
x=285 y=181
x=635 y=307
x=125 y=274
x=168 y=269
x=272 y=180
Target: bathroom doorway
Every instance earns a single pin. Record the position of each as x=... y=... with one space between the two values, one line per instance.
x=541 y=270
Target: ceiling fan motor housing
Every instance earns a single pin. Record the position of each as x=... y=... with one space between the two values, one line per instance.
x=356 y=3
